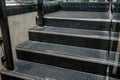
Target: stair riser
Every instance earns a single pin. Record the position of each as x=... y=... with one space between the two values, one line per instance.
x=6 y=77
x=92 y=25
x=85 y=6
x=84 y=66
x=116 y=26
x=70 y=40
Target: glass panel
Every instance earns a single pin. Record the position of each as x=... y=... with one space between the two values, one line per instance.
x=20 y=6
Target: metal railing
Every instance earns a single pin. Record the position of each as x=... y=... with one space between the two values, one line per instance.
x=6 y=36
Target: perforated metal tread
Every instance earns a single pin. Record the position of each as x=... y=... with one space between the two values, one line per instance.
x=79 y=15
x=52 y=72
x=72 y=52
x=75 y=32
x=34 y=71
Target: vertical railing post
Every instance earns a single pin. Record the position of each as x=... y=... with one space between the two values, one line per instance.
x=40 y=13
x=6 y=36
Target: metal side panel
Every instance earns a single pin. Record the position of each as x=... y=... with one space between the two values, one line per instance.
x=46 y=72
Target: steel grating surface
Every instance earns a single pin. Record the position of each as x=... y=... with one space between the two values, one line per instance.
x=78 y=52
x=79 y=15
x=79 y=24
x=76 y=32
x=52 y=72
x=85 y=6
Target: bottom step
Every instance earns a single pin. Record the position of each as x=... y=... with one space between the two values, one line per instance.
x=33 y=71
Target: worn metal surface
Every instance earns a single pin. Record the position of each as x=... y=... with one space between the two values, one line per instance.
x=75 y=32
x=79 y=15
x=57 y=49
x=53 y=73
x=34 y=71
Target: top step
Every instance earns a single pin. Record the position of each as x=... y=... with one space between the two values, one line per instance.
x=81 y=15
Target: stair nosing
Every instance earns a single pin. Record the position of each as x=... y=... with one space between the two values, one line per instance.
x=73 y=35
x=115 y=20
x=16 y=74
x=80 y=19
x=88 y=59
x=112 y=63
x=52 y=53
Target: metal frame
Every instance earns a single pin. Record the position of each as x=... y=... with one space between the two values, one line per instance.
x=6 y=33
x=6 y=36
x=40 y=13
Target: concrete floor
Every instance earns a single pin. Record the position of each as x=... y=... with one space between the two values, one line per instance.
x=18 y=26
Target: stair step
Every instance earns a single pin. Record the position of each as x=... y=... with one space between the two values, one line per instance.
x=75 y=32
x=79 y=15
x=25 y=70
x=78 y=19
x=75 y=37
x=77 y=58
x=63 y=50
x=46 y=72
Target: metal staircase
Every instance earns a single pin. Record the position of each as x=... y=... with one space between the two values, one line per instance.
x=73 y=44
